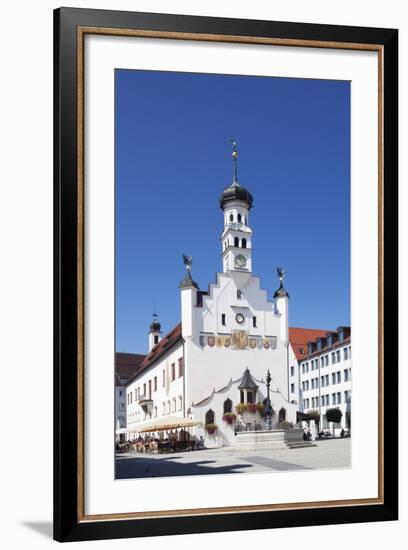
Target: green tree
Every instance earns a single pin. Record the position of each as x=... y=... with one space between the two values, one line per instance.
x=334 y=415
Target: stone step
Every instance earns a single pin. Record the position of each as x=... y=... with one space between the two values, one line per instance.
x=300 y=445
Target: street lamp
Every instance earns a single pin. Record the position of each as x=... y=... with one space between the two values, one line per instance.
x=268 y=406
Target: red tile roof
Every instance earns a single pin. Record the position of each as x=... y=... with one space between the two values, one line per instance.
x=126 y=364
x=168 y=341
x=335 y=345
x=299 y=337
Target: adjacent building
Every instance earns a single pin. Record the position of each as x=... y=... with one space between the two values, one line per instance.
x=320 y=373
x=126 y=365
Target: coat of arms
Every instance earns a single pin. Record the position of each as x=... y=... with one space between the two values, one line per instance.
x=267 y=343
x=219 y=341
x=252 y=343
x=227 y=341
x=239 y=339
x=273 y=342
x=211 y=341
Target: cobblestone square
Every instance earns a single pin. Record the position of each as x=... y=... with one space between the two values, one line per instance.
x=327 y=454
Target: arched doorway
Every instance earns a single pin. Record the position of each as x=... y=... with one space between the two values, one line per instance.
x=282 y=415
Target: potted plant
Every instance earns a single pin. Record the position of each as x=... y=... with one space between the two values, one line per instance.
x=334 y=415
x=211 y=428
x=229 y=417
x=250 y=407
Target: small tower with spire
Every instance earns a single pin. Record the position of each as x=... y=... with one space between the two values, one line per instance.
x=236 y=202
x=189 y=290
x=154 y=332
x=282 y=305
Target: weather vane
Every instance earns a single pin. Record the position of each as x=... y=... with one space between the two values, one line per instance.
x=281 y=274
x=188 y=262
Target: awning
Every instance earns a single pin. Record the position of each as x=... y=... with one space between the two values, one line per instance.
x=163 y=424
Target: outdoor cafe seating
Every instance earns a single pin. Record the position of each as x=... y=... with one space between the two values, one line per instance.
x=166 y=435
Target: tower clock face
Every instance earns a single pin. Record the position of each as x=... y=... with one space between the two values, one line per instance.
x=240 y=261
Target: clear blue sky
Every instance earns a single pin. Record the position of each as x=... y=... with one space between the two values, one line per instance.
x=173 y=160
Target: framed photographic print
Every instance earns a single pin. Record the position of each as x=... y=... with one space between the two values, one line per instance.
x=225 y=274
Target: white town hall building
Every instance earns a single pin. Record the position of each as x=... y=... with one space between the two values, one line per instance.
x=218 y=357
x=212 y=367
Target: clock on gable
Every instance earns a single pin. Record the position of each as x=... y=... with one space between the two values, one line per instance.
x=239 y=318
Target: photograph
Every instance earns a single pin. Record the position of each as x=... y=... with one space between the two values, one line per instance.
x=232 y=274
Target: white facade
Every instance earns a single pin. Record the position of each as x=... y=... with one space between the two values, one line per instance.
x=325 y=378
x=294 y=379
x=228 y=331
x=157 y=391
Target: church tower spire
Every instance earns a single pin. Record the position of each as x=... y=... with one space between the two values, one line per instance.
x=236 y=202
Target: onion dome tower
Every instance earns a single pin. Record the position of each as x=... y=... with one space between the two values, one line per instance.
x=236 y=202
